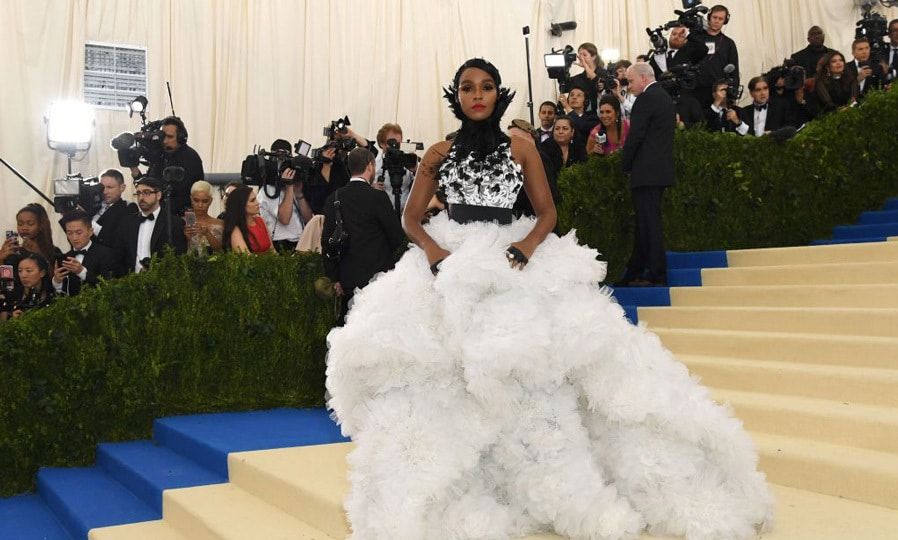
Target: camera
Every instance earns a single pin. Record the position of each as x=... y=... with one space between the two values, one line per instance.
x=656 y=37
x=874 y=27
x=608 y=80
x=263 y=168
x=146 y=144
x=734 y=89
x=558 y=66
x=692 y=16
x=340 y=125
x=678 y=78
x=396 y=162
x=75 y=191
x=792 y=74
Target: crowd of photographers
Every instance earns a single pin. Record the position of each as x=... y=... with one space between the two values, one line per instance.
x=293 y=204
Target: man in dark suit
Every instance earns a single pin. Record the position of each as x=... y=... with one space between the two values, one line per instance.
x=145 y=234
x=648 y=159
x=109 y=216
x=683 y=48
x=87 y=261
x=868 y=72
x=373 y=230
x=810 y=55
x=763 y=115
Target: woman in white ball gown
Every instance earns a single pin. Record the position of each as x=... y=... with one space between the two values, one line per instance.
x=494 y=390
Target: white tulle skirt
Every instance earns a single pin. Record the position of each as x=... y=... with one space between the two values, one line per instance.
x=488 y=402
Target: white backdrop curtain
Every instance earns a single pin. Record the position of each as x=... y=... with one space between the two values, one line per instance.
x=245 y=72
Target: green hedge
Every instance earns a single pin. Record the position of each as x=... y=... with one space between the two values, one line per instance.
x=737 y=192
x=192 y=335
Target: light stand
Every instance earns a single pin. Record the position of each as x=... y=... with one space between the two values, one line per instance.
x=526 y=32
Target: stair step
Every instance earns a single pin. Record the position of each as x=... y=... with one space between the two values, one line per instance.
x=148 y=469
x=29 y=517
x=288 y=478
x=84 y=498
x=226 y=512
x=850 y=296
x=840 y=241
x=851 y=253
x=807 y=274
x=696 y=259
x=851 y=351
x=883 y=230
x=642 y=296
x=834 y=321
x=878 y=216
x=834 y=422
x=209 y=438
x=147 y=530
x=841 y=471
x=869 y=386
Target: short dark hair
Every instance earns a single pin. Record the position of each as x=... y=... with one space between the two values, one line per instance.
x=114 y=173
x=892 y=22
x=754 y=82
x=719 y=7
x=859 y=41
x=544 y=103
x=75 y=215
x=179 y=125
x=358 y=159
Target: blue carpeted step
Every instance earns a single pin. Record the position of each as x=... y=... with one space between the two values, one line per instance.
x=642 y=296
x=696 y=259
x=891 y=204
x=27 y=517
x=881 y=216
x=85 y=498
x=865 y=231
x=632 y=314
x=147 y=469
x=829 y=242
x=209 y=438
x=684 y=277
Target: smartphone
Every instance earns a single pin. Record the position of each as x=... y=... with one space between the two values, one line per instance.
x=6 y=272
x=190 y=217
x=13 y=235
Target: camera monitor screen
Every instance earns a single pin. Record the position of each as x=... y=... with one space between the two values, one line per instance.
x=554 y=60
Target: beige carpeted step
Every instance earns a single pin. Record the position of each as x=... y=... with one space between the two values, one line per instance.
x=869 y=386
x=226 y=512
x=850 y=296
x=846 y=321
x=850 y=253
x=842 y=273
x=827 y=421
x=853 y=351
x=147 y=530
x=842 y=471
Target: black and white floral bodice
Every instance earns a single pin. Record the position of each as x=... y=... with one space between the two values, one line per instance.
x=495 y=181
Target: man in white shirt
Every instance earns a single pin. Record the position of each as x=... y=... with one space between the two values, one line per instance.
x=281 y=213
x=146 y=233
x=547 y=114
x=87 y=261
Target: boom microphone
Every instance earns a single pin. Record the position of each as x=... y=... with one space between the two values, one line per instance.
x=557 y=28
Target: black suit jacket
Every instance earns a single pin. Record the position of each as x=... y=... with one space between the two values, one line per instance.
x=808 y=58
x=99 y=261
x=692 y=53
x=776 y=116
x=873 y=82
x=717 y=123
x=648 y=151
x=185 y=157
x=111 y=220
x=126 y=242
x=374 y=234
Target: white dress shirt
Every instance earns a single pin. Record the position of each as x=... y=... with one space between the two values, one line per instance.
x=407 y=180
x=93 y=222
x=268 y=208
x=760 y=118
x=145 y=237
x=83 y=273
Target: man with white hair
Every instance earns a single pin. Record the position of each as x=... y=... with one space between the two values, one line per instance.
x=648 y=160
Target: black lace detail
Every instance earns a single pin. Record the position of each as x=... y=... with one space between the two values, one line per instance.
x=494 y=180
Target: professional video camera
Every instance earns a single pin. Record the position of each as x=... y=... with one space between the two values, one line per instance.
x=558 y=66
x=263 y=168
x=792 y=74
x=340 y=125
x=678 y=78
x=734 y=90
x=75 y=191
x=146 y=144
x=692 y=17
x=608 y=80
x=874 y=27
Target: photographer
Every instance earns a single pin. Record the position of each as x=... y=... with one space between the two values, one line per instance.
x=176 y=153
x=282 y=206
x=593 y=70
x=106 y=222
x=808 y=57
x=684 y=47
x=373 y=230
x=382 y=180
x=146 y=233
x=763 y=116
x=868 y=72
x=575 y=108
x=790 y=94
x=87 y=261
x=34 y=289
x=722 y=115
x=722 y=52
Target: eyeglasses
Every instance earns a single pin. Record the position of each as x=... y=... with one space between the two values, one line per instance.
x=145 y=192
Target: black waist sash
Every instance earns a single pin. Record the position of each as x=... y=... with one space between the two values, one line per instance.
x=467 y=213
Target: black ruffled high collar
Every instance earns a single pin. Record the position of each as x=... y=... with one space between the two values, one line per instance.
x=478 y=138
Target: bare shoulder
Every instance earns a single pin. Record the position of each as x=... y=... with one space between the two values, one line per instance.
x=439 y=150
x=434 y=157
x=521 y=150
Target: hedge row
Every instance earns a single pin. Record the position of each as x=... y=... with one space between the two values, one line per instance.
x=737 y=192
x=191 y=335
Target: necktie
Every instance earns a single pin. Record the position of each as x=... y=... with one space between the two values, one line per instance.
x=670 y=54
x=150 y=217
x=760 y=108
x=76 y=252
x=895 y=57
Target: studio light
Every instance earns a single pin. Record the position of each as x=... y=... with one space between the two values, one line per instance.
x=138 y=105
x=69 y=126
x=610 y=55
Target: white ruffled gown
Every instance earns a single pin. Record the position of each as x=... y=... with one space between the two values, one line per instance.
x=489 y=402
